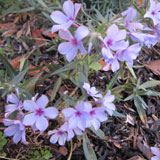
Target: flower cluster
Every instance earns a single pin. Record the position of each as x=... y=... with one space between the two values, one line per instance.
x=34 y=114
x=115 y=46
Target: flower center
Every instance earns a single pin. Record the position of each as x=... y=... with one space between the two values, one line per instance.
x=153 y=13
x=71 y=19
x=109 y=42
x=92 y=112
x=74 y=42
x=39 y=112
x=78 y=114
x=60 y=132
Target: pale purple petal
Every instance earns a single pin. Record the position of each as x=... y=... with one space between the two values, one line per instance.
x=112 y=31
x=107 y=54
x=81 y=48
x=81 y=33
x=17 y=137
x=52 y=132
x=24 y=137
x=59 y=17
x=68 y=112
x=69 y=49
x=77 y=7
x=29 y=119
x=121 y=45
x=78 y=131
x=70 y=134
x=41 y=123
x=8 y=122
x=51 y=112
x=120 y=35
x=11 y=107
x=30 y=105
x=42 y=101
x=11 y=130
x=54 y=138
x=12 y=98
x=65 y=34
x=82 y=123
x=62 y=139
x=96 y=124
x=155 y=158
x=63 y=26
x=102 y=116
x=73 y=122
x=155 y=150
x=115 y=65
x=68 y=8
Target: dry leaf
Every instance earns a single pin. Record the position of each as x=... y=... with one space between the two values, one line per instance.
x=117 y=145
x=140 y=2
x=130 y=120
x=136 y=158
x=15 y=62
x=19 y=33
x=103 y=64
x=37 y=35
x=63 y=150
x=9 y=33
x=145 y=150
x=48 y=34
x=7 y=26
x=154 y=66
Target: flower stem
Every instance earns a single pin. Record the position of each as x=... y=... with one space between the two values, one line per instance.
x=71 y=150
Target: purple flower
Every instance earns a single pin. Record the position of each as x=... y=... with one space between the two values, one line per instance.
x=155 y=151
x=76 y=117
x=39 y=112
x=107 y=103
x=71 y=132
x=110 y=59
x=92 y=91
x=144 y=38
x=16 y=104
x=153 y=12
x=65 y=21
x=115 y=38
x=15 y=129
x=130 y=54
x=97 y=116
x=59 y=135
x=71 y=48
x=130 y=14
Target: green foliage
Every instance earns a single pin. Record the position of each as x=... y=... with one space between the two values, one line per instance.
x=3 y=141
x=38 y=153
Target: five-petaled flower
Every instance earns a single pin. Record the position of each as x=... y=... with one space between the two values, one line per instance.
x=107 y=103
x=153 y=12
x=76 y=117
x=15 y=104
x=15 y=129
x=97 y=115
x=65 y=21
x=71 y=48
x=91 y=91
x=59 y=135
x=39 y=112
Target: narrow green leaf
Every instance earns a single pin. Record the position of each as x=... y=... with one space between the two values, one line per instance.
x=140 y=110
x=117 y=114
x=99 y=133
x=129 y=97
x=56 y=88
x=131 y=71
x=24 y=10
x=19 y=77
x=31 y=84
x=67 y=67
x=10 y=69
x=152 y=93
x=149 y=84
x=113 y=81
x=88 y=150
